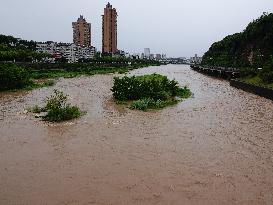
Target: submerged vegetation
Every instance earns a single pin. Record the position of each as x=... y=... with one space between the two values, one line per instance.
x=57 y=109
x=149 y=91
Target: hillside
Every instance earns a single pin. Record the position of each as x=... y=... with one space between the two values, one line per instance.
x=251 y=48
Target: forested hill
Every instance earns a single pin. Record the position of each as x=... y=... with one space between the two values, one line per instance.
x=251 y=48
x=15 y=49
x=17 y=43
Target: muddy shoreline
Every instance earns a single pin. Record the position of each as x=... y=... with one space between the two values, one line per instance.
x=214 y=148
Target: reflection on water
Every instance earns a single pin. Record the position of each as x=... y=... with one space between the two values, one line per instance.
x=213 y=148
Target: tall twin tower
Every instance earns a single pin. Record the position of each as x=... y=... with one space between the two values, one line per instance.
x=82 y=31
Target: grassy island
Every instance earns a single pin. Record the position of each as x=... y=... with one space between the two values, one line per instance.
x=148 y=92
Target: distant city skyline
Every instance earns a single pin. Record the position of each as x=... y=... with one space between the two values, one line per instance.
x=176 y=27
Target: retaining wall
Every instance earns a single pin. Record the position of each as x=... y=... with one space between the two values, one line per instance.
x=263 y=92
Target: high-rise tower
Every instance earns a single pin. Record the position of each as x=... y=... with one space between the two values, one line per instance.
x=109 y=30
x=82 y=32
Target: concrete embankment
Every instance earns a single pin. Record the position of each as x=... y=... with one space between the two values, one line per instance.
x=231 y=74
x=261 y=91
x=225 y=73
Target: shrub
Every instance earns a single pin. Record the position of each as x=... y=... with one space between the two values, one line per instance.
x=267 y=77
x=13 y=77
x=184 y=92
x=48 y=83
x=58 y=109
x=36 y=109
x=266 y=74
x=142 y=104
x=148 y=103
x=149 y=91
x=153 y=86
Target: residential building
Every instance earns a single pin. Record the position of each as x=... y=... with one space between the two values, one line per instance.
x=196 y=59
x=109 y=30
x=158 y=57
x=71 y=52
x=82 y=32
x=48 y=47
x=147 y=53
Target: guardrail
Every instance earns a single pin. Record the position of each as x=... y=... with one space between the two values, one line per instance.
x=220 y=72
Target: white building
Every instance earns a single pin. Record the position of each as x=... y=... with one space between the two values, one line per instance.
x=196 y=59
x=48 y=47
x=69 y=51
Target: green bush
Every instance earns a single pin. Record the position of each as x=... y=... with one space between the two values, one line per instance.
x=142 y=104
x=266 y=76
x=13 y=77
x=153 y=86
x=149 y=91
x=184 y=92
x=48 y=83
x=58 y=109
x=149 y=103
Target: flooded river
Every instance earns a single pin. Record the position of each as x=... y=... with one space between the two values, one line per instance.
x=214 y=148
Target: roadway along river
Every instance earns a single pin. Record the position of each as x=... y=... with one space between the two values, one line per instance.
x=214 y=148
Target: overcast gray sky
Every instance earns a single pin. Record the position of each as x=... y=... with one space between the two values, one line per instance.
x=175 y=27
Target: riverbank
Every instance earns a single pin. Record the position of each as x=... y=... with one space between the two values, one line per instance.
x=16 y=76
x=70 y=70
x=249 y=84
x=252 y=88
x=257 y=81
x=225 y=73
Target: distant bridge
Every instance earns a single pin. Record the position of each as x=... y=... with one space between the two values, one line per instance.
x=173 y=61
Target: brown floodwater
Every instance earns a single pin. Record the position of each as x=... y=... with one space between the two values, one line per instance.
x=214 y=148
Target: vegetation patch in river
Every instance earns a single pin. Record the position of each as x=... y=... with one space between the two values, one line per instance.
x=57 y=108
x=148 y=91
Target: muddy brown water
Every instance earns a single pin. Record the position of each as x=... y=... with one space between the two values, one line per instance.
x=214 y=148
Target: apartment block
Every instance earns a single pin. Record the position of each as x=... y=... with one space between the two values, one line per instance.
x=71 y=52
x=109 y=30
x=81 y=32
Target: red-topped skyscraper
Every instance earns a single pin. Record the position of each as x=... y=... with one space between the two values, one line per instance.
x=109 y=30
